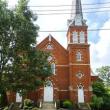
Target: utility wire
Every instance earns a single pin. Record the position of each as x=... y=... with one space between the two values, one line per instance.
x=71 y=9
x=56 y=30
x=108 y=11
x=66 y=30
x=67 y=5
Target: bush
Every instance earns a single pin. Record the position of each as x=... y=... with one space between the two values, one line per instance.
x=27 y=102
x=67 y=104
x=6 y=108
x=96 y=102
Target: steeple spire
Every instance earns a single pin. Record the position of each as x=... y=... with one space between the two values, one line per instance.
x=76 y=14
x=76 y=9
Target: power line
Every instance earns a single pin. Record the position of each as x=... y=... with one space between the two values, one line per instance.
x=58 y=30
x=66 y=30
x=67 y=5
x=70 y=9
x=108 y=11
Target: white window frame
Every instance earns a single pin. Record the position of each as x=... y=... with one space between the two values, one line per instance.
x=78 y=56
x=53 y=66
x=82 y=37
x=50 y=58
x=49 y=47
x=75 y=37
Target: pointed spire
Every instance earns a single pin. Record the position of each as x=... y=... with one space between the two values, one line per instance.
x=76 y=14
x=76 y=9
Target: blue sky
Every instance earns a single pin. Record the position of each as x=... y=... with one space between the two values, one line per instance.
x=99 y=40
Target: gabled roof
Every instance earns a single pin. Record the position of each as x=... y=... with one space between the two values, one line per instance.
x=49 y=40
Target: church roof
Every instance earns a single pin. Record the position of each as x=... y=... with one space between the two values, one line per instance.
x=50 y=40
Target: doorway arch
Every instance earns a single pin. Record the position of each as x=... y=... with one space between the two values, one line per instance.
x=48 y=91
x=80 y=94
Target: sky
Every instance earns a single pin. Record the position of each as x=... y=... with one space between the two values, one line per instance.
x=99 y=40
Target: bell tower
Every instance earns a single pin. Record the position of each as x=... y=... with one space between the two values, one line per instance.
x=79 y=56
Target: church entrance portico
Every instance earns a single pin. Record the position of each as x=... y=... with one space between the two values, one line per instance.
x=48 y=92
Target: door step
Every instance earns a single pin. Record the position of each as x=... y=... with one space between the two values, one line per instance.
x=48 y=106
x=84 y=106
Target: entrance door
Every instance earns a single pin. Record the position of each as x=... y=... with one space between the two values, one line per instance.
x=48 y=92
x=18 y=97
x=80 y=94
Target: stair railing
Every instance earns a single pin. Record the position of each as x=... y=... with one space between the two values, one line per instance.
x=88 y=106
x=55 y=104
x=40 y=103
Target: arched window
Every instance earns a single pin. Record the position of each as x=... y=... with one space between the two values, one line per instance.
x=48 y=83
x=75 y=37
x=50 y=58
x=78 y=56
x=53 y=66
x=49 y=47
x=82 y=37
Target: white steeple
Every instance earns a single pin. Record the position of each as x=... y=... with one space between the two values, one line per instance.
x=76 y=14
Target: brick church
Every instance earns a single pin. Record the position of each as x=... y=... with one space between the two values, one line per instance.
x=71 y=68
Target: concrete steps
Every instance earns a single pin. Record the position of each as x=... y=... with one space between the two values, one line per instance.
x=84 y=106
x=48 y=106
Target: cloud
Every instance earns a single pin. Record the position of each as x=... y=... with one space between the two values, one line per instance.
x=100 y=52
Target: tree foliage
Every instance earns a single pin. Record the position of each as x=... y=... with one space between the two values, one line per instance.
x=96 y=102
x=22 y=66
x=99 y=88
x=104 y=74
x=6 y=35
x=100 y=93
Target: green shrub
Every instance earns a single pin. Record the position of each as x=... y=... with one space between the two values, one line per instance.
x=27 y=102
x=6 y=108
x=67 y=104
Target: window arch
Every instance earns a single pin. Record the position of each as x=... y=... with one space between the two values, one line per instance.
x=49 y=47
x=82 y=37
x=48 y=83
x=78 y=56
x=50 y=58
x=80 y=86
x=53 y=66
x=75 y=37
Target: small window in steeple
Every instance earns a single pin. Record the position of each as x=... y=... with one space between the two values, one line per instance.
x=75 y=37
x=82 y=37
x=78 y=56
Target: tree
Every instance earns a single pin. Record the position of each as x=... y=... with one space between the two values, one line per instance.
x=22 y=68
x=104 y=74
x=96 y=102
x=6 y=35
x=29 y=66
x=99 y=89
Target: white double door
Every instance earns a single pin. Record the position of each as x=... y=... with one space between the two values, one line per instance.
x=48 y=93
